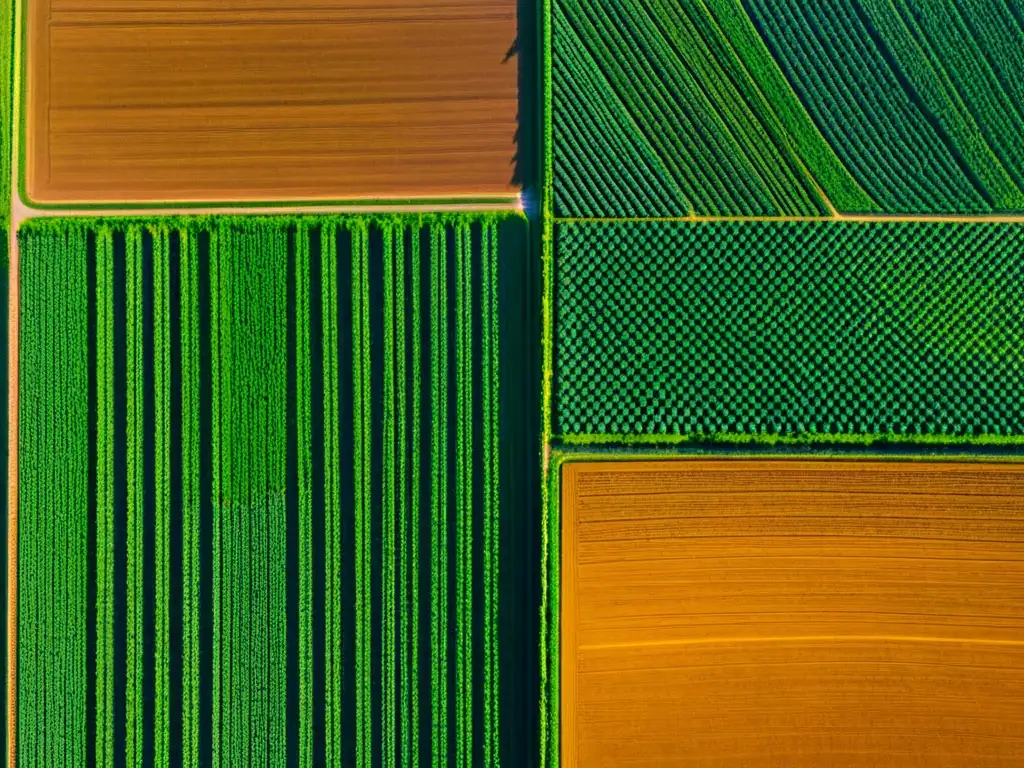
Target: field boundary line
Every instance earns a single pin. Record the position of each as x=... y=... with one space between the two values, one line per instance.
x=227 y=207
x=562 y=458
x=569 y=454
x=549 y=725
x=810 y=438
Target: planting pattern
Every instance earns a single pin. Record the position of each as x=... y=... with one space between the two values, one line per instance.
x=782 y=107
x=835 y=331
x=7 y=127
x=260 y=491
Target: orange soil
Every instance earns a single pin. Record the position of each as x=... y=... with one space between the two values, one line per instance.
x=191 y=100
x=797 y=613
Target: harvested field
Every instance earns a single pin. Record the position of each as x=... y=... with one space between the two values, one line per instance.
x=262 y=491
x=814 y=331
x=798 y=613
x=156 y=101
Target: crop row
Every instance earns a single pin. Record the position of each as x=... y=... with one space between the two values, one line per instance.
x=6 y=117
x=639 y=90
x=781 y=107
x=259 y=492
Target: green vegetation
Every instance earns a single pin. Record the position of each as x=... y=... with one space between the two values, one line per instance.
x=823 y=331
x=281 y=408
x=105 y=438
x=682 y=338
x=6 y=105
x=781 y=107
x=923 y=106
x=655 y=114
x=249 y=289
x=191 y=499
x=53 y=447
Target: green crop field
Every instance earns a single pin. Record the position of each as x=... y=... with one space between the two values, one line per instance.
x=6 y=104
x=264 y=506
x=783 y=107
x=834 y=331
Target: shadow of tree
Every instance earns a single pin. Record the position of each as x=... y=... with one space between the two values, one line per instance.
x=525 y=51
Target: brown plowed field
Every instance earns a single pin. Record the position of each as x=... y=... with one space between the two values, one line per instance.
x=166 y=100
x=792 y=613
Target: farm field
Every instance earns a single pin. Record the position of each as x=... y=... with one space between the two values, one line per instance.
x=808 y=331
x=157 y=101
x=786 y=108
x=263 y=499
x=507 y=383
x=6 y=110
x=798 y=613
x=784 y=243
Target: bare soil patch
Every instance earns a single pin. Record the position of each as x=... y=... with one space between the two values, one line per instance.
x=192 y=100
x=798 y=613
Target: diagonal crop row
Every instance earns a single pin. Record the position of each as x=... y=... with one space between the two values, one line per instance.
x=784 y=108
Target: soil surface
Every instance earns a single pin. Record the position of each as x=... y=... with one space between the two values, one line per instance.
x=207 y=100
x=798 y=613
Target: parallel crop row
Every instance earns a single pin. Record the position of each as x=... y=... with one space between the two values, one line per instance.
x=53 y=529
x=923 y=104
x=259 y=483
x=6 y=121
x=782 y=107
x=655 y=115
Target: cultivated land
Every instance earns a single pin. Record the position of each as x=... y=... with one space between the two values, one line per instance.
x=715 y=111
x=813 y=330
x=410 y=504
x=790 y=226
x=204 y=100
x=791 y=612
x=259 y=466
x=782 y=107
